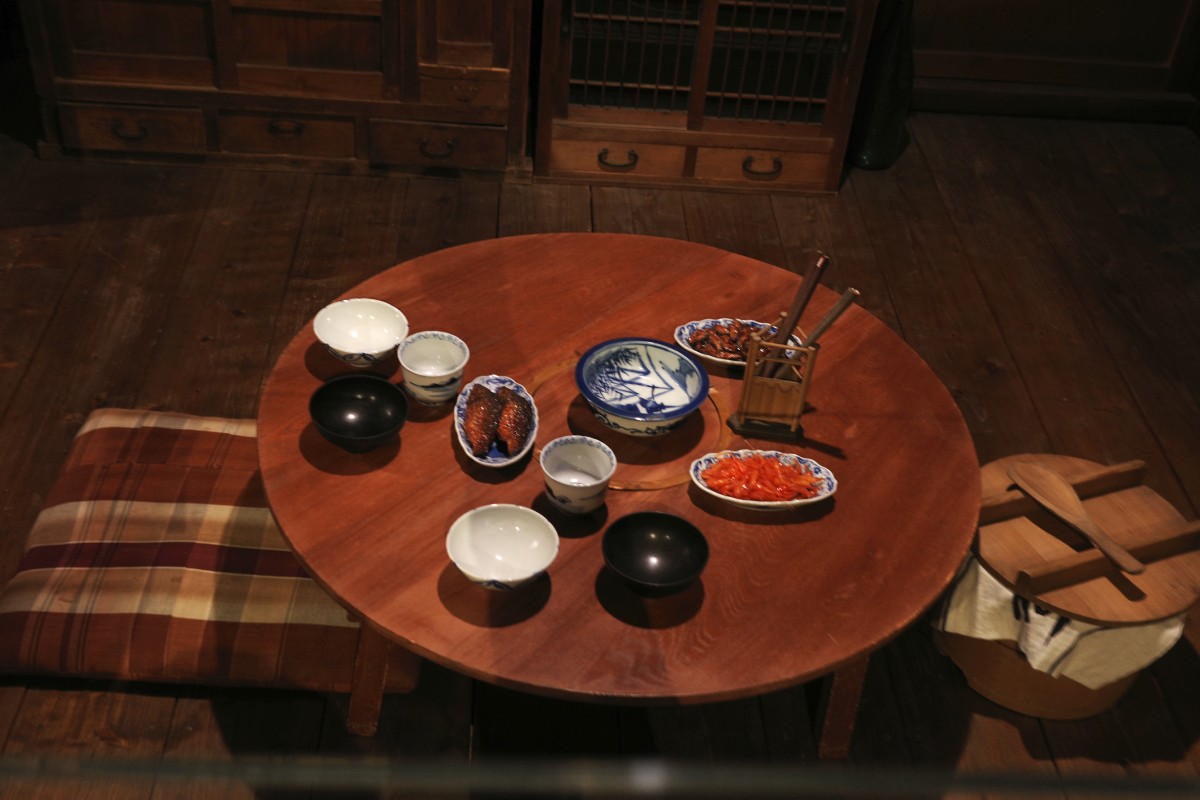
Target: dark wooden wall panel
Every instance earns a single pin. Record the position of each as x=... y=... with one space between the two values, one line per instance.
x=1119 y=59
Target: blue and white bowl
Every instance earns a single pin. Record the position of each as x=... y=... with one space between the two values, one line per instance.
x=360 y=331
x=683 y=335
x=495 y=457
x=641 y=387
x=432 y=363
x=828 y=483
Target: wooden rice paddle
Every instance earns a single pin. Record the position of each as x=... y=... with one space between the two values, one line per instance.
x=1058 y=497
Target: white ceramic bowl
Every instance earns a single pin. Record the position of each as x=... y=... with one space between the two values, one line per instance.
x=360 y=331
x=495 y=457
x=642 y=387
x=683 y=335
x=828 y=483
x=502 y=546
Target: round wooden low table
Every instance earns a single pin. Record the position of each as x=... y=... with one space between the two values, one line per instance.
x=786 y=597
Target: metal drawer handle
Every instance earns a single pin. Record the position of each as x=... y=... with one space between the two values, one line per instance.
x=464 y=92
x=449 y=145
x=762 y=174
x=119 y=131
x=602 y=158
x=285 y=127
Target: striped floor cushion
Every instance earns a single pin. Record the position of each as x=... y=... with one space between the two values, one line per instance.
x=156 y=558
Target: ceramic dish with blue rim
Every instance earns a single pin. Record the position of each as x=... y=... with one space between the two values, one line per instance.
x=641 y=387
x=722 y=341
x=827 y=483
x=496 y=455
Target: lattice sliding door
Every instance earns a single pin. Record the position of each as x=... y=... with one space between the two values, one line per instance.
x=689 y=78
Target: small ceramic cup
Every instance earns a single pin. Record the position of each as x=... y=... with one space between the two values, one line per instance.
x=432 y=363
x=577 y=470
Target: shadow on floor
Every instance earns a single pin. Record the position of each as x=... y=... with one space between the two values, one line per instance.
x=19 y=120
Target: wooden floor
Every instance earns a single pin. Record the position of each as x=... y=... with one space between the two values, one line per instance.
x=1048 y=271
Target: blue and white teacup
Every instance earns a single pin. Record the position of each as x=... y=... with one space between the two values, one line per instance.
x=432 y=364
x=577 y=470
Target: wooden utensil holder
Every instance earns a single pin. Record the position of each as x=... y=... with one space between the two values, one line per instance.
x=774 y=389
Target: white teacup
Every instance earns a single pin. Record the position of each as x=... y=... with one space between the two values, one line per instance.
x=432 y=363
x=577 y=470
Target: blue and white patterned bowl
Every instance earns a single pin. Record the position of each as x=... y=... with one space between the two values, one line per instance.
x=828 y=482
x=495 y=457
x=642 y=387
x=432 y=363
x=683 y=335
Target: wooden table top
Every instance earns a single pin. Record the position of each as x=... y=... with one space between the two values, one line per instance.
x=785 y=597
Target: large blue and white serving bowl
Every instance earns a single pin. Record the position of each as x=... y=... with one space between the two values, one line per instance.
x=641 y=387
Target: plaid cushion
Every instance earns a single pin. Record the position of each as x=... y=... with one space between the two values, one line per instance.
x=156 y=558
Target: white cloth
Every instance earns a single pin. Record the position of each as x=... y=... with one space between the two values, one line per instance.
x=980 y=606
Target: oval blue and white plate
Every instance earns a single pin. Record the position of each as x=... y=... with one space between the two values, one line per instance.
x=495 y=457
x=828 y=484
x=684 y=333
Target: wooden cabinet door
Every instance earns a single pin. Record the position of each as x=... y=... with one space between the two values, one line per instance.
x=463 y=52
x=131 y=41
x=312 y=48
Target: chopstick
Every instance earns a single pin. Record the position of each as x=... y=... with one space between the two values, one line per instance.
x=843 y=302
x=803 y=295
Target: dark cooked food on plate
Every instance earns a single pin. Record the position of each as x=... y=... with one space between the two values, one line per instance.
x=503 y=417
x=729 y=341
x=516 y=418
x=483 y=418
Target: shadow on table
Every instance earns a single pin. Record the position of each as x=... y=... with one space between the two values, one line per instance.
x=491 y=608
x=647 y=609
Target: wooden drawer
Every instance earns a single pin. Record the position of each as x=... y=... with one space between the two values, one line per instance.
x=466 y=90
x=286 y=135
x=761 y=166
x=418 y=144
x=132 y=128
x=633 y=159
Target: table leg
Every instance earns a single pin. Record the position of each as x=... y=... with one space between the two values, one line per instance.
x=839 y=708
x=376 y=659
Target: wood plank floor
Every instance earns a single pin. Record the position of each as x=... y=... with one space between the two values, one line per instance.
x=1048 y=271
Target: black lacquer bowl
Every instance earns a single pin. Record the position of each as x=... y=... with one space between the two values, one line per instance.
x=358 y=413
x=655 y=552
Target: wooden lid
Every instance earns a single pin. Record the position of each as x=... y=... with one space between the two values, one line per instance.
x=1041 y=558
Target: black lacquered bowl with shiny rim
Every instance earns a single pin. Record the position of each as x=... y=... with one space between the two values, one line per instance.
x=358 y=412
x=655 y=551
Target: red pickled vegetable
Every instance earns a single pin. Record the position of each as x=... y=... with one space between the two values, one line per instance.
x=757 y=477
